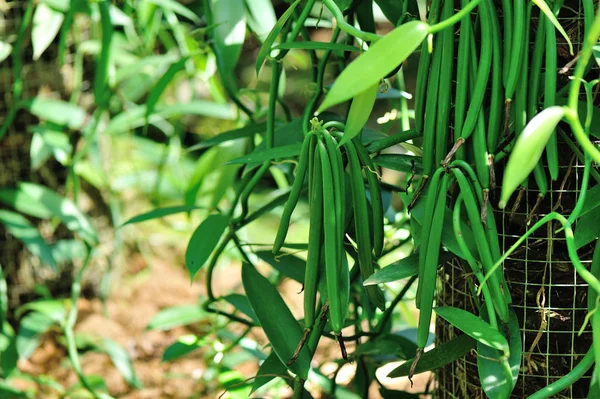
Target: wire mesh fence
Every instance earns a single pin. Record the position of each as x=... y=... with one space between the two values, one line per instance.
x=549 y=298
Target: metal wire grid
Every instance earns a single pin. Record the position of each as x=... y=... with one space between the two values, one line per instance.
x=548 y=296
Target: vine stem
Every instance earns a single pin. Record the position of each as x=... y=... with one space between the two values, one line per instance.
x=447 y=23
x=346 y=27
x=69 y=326
x=570 y=240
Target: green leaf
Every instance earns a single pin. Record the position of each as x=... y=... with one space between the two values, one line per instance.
x=372 y=66
x=103 y=60
x=5 y=50
x=261 y=17
x=592 y=200
x=51 y=308
x=491 y=374
x=46 y=24
x=229 y=17
x=388 y=347
x=587 y=228
x=473 y=326
x=118 y=355
x=46 y=142
x=177 y=316
x=159 y=213
x=8 y=392
x=177 y=8
x=316 y=46
x=393 y=394
x=438 y=357
x=161 y=85
x=184 y=345
x=41 y=202
x=282 y=152
x=528 y=150
x=400 y=162
x=241 y=303
x=550 y=15
x=134 y=117
x=271 y=367
x=19 y=227
x=265 y=49
x=56 y=111
x=289 y=265
x=359 y=113
x=401 y=269
x=31 y=328
x=203 y=241
x=283 y=331
x=246 y=131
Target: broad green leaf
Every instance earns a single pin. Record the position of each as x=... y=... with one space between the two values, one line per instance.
x=229 y=17
x=56 y=111
x=289 y=265
x=372 y=66
x=265 y=49
x=550 y=15
x=261 y=17
x=283 y=331
x=46 y=24
x=271 y=367
x=596 y=51
x=261 y=155
x=401 y=269
x=177 y=316
x=587 y=228
x=316 y=46
x=241 y=303
x=359 y=113
x=184 y=345
x=203 y=241
x=528 y=150
x=5 y=50
x=51 y=308
x=159 y=213
x=400 y=163
x=46 y=142
x=118 y=355
x=592 y=200
x=177 y=8
x=40 y=201
x=246 y=131
x=162 y=84
x=473 y=326
x=20 y=228
x=31 y=328
x=491 y=375
x=438 y=357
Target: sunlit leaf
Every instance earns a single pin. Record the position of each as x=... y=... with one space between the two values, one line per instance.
x=46 y=24
x=473 y=326
x=265 y=49
x=31 y=328
x=118 y=355
x=184 y=345
x=5 y=50
x=160 y=213
x=381 y=59
x=57 y=111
